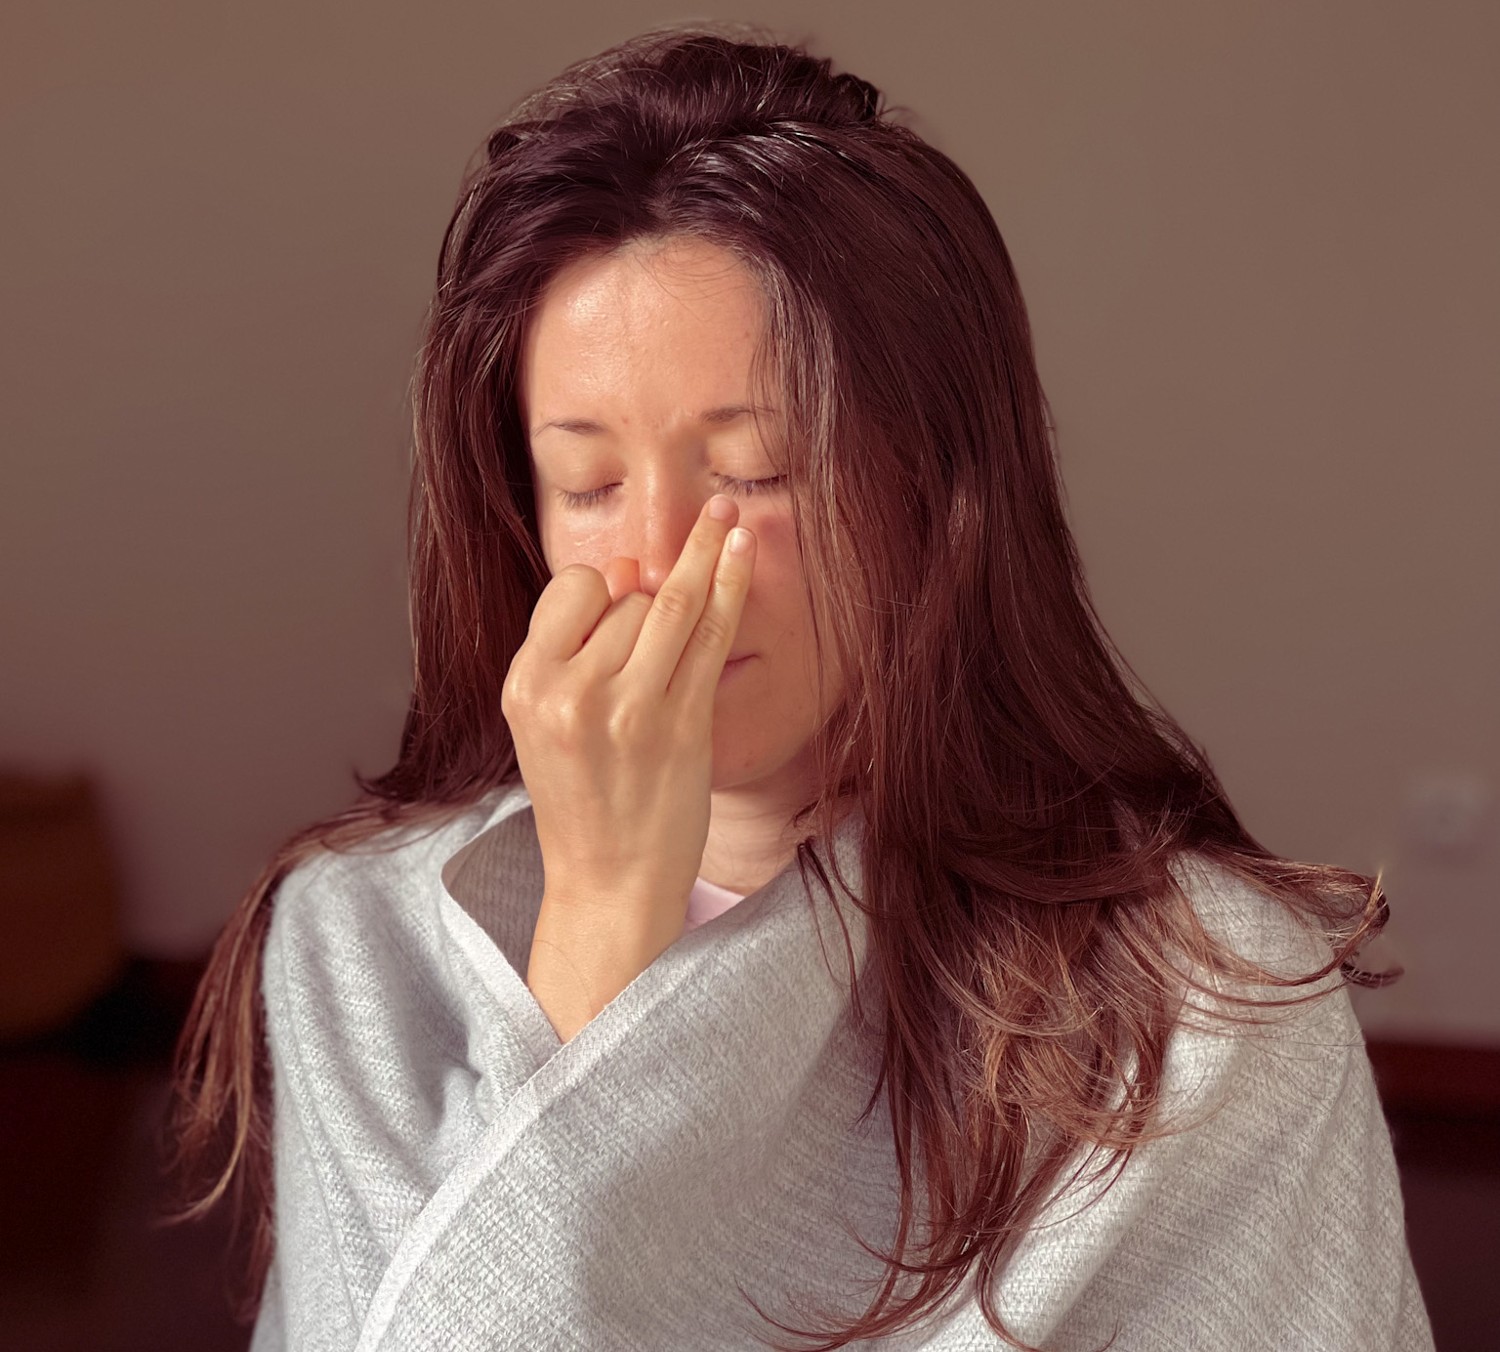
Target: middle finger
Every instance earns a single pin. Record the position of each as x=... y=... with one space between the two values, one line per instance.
x=679 y=603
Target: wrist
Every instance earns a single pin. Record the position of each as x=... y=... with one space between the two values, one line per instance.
x=584 y=953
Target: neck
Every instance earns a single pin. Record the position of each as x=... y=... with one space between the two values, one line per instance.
x=749 y=843
x=750 y=836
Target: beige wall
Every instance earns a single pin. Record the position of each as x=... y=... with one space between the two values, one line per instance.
x=1258 y=243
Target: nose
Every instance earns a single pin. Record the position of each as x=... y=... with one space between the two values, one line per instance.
x=663 y=518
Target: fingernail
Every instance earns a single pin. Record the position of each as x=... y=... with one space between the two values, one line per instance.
x=739 y=540
x=720 y=507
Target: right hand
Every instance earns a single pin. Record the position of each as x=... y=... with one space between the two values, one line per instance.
x=610 y=702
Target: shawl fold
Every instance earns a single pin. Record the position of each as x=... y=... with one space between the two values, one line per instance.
x=448 y=1174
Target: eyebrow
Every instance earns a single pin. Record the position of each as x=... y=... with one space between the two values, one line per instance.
x=587 y=427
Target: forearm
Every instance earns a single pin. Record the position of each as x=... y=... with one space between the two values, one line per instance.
x=582 y=956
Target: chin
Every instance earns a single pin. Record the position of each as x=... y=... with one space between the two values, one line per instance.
x=735 y=773
x=741 y=759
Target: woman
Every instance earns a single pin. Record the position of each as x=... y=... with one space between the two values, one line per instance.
x=738 y=545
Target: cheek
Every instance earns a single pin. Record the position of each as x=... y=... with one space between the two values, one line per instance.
x=776 y=589
x=567 y=541
x=779 y=609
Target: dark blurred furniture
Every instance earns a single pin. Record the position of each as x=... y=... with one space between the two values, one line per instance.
x=60 y=944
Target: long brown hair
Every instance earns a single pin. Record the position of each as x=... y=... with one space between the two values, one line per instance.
x=1023 y=793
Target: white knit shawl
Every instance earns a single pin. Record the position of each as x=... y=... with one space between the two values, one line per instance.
x=448 y=1175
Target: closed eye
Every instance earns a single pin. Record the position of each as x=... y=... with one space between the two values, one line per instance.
x=743 y=488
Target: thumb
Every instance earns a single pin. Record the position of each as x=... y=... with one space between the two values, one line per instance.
x=623 y=576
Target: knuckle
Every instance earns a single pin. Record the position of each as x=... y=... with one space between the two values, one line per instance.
x=713 y=632
x=577 y=579
x=566 y=719
x=515 y=692
x=675 y=604
x=627 y=722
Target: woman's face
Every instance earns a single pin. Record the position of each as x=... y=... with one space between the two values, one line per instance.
x=632 y=369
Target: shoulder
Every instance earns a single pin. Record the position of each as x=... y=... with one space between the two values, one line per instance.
x=1266 y=1183
x=1277 y=1047
x=358 y=955
x=1249 y=920
x=342 y=900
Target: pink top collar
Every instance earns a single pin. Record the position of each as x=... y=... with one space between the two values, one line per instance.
x=708 y=900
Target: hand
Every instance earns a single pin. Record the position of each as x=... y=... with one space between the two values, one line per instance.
x=610 y=701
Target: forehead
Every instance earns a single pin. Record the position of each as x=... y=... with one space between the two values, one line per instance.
x=642 y=322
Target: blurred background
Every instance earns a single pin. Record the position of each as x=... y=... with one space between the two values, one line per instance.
x=1258 y=246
